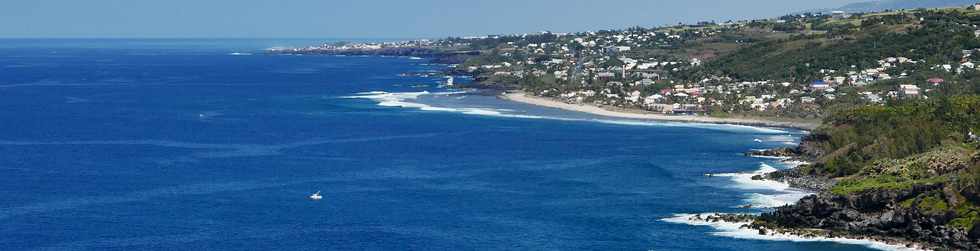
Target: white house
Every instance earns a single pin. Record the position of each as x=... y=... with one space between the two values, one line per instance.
x=634 y=97
x=910 y=90
x=618 y=49
x=653 y=99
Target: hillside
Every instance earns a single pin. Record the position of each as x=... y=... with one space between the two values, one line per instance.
x=910 y=171
x=749 y=68
x=861 y=58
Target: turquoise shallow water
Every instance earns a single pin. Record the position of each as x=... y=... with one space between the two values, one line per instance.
x=183 y=145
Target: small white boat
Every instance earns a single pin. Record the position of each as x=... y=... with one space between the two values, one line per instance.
x=450 y=81
x=758 y=140
x=316 y=196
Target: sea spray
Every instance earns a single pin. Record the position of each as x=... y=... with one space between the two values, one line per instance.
x=740 y=230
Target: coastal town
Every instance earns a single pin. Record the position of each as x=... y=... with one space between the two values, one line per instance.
x=673 y=70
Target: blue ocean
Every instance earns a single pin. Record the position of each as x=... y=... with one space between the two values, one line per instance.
x=214 y=145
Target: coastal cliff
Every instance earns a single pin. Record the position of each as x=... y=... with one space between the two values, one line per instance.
x=908 y=173
x=941 y=214
x=918 y=214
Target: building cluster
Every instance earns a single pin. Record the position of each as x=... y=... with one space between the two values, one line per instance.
x=615 y=68
x=342 y=47
x=641 y=68
x=608 y=67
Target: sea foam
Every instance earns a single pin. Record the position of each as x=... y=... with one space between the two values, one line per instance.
x=745 y=181
x=758 y=200
x=735 y=230
x=784 y=195
x=409 y=100
x=777 y=193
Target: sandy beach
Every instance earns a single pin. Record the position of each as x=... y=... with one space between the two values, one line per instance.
x=636 y=114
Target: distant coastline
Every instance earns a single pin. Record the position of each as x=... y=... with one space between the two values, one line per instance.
x=522 y=97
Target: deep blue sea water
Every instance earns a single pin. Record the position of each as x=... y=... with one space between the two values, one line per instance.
x=183 y=145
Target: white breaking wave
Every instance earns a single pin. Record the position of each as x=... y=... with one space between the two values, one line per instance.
x=735 y=230
x=758 y=200
x=772 y=157
x=782 y=194
x=786 y=139
x=794 y=163
x=745 y=181
x=409 y=100
x=405 y=100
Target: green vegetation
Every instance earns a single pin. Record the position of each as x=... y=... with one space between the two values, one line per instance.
x=853 y=44
x=851 y=186
x=966 y=217
x=858 y=137
x=933 y=204
x=921 y=146
x=793 y=51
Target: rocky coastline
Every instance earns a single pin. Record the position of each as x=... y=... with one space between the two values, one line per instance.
x=750 y=225
x=890 y=216
x=872 y=214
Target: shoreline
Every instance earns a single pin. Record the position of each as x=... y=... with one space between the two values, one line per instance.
x=743 y=225
x=522 y=97
x=738 y=227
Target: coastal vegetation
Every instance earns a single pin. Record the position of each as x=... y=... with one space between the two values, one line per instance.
x=857 y=137
x=909 y=170
x=858 y=43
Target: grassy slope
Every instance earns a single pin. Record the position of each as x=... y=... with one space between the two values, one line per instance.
x=859 y=41
x=903 y=146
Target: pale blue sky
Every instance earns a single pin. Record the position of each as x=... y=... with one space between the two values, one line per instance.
x=364 y=18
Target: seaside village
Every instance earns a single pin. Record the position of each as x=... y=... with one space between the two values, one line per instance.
x=656 y=70
x=600 y=68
